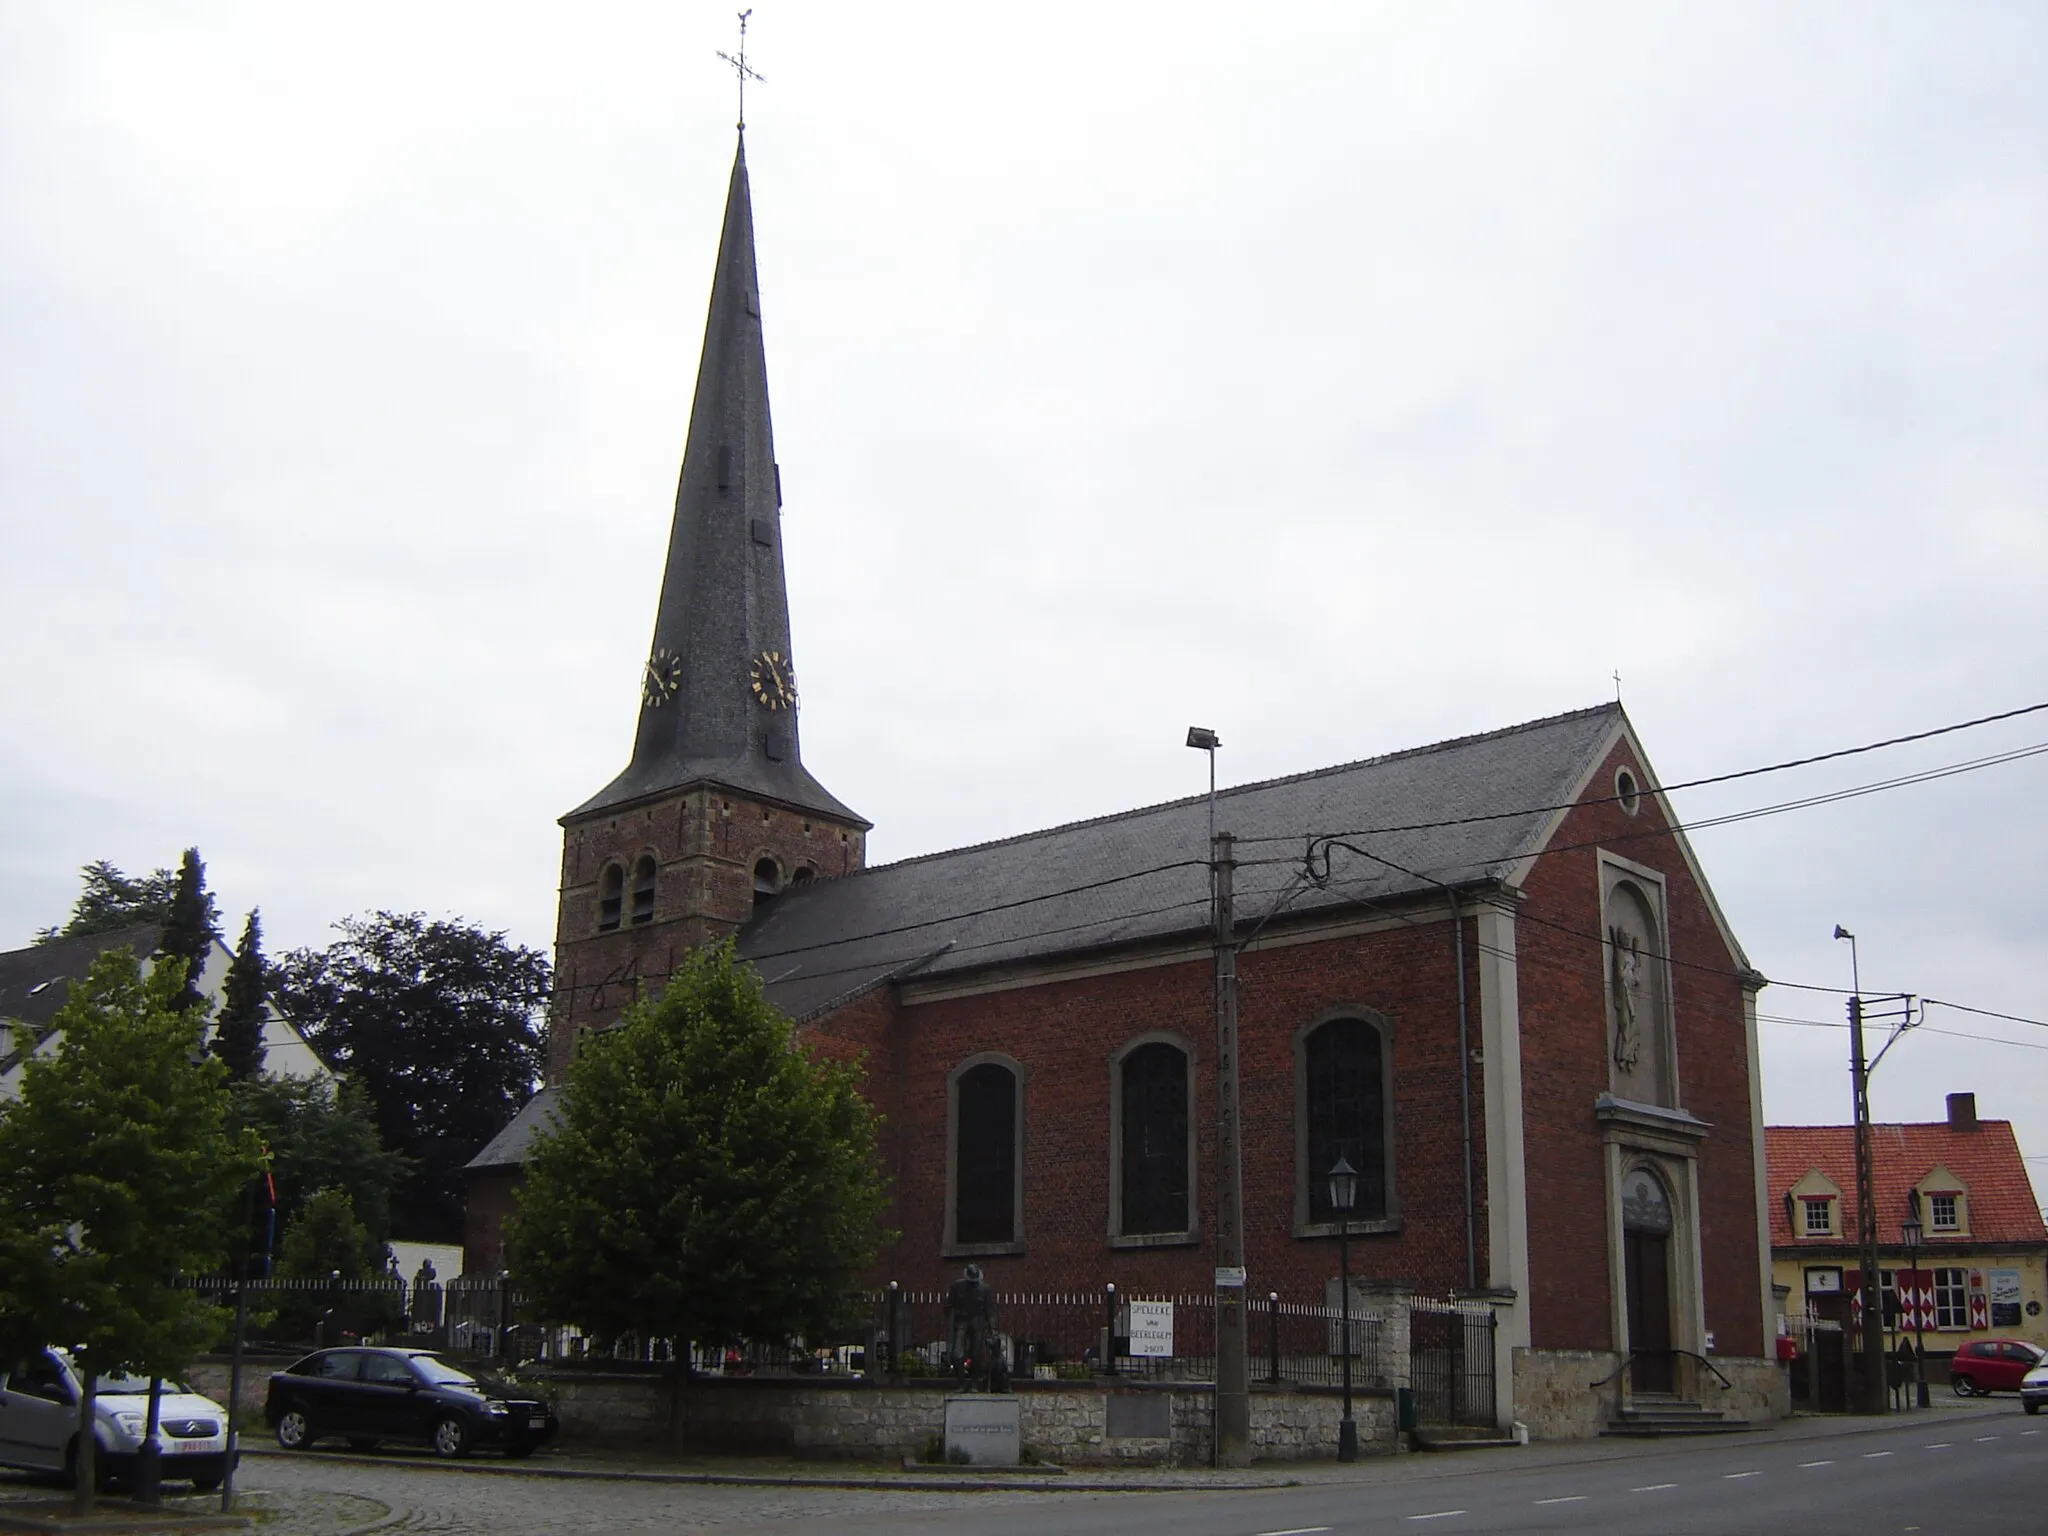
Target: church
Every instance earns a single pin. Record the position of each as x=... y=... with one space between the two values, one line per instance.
x=1488 y=973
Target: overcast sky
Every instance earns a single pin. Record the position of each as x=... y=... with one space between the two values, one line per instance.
x=1344 y=377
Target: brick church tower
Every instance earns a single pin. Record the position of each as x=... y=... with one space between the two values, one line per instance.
x=715 y=814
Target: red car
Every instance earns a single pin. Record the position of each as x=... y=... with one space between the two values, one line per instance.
x=1992 y=1365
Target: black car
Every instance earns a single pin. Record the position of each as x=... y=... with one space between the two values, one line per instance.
x=367 y=1396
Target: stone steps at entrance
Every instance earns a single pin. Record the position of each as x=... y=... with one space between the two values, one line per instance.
x=1459 y=1437
x=1648 y=1416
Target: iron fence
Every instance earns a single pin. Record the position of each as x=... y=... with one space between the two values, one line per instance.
x=1043 y=1335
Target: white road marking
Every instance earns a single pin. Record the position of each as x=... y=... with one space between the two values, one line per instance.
x=1937 y=1445
x=2030 y=1431
x=1569 y=1498
x=1873 y=1455
x=1828 y=1463
x=1982 y=1438
x=1442 y=1514
x=1652 y=1487
x=1296 y=1530
x=1729 y=1477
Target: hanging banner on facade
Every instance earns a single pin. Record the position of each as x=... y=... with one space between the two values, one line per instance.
x=1151 y=1329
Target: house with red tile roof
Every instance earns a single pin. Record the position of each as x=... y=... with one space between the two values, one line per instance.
x=1981 y=1266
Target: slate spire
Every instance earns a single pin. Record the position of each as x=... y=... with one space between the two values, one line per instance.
x=718 y=692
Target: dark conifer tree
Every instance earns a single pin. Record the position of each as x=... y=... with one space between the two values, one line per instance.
x=238 y=1032
x=193 y=926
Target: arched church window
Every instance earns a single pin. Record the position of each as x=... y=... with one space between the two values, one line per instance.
x=643 y=889
x=1344 y=1088
x=985 y=1155
x=611 y=897
x=1153 y=1140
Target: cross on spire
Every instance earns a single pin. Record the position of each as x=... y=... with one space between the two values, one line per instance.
x=741 y=68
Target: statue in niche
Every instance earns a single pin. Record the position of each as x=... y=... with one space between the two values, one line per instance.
x=1628 y=997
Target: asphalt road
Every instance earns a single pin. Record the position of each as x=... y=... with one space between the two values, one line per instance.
x=1985 y=1472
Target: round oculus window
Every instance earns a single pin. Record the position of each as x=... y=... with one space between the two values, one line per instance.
x=1627 y=793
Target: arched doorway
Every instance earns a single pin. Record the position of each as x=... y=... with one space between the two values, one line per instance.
x=1646 y=1259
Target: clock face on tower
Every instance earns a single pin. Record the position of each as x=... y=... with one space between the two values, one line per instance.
x=663 y=676
x=774 y=680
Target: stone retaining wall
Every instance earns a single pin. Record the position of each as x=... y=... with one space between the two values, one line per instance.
x=1066 y=1423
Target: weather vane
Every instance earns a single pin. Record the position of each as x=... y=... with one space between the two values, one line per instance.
x=741 y=68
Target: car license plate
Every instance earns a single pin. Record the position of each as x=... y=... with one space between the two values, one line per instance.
x=538 y=1421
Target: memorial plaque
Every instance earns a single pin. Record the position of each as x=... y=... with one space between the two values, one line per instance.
x=987 y=1426
x=1140 y=1416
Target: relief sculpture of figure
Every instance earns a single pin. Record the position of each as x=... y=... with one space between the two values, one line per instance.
x=1628 y=983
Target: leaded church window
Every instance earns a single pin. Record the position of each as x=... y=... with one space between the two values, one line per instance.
x=985 y=1167
x=1154 y=1153
x=1346 y=1092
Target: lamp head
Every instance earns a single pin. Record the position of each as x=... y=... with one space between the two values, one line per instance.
x=1843 y=933
x=1909 y=1230
x=1343 y=1185
x=1202 y=739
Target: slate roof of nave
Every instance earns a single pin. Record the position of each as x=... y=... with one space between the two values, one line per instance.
x=1142 y=875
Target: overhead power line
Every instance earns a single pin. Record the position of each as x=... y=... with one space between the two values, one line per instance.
x=1718 y=778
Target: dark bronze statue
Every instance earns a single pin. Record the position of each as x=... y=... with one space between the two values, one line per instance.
x=973 y=1352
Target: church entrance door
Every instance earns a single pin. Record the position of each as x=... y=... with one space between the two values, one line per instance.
x=1646 y=1262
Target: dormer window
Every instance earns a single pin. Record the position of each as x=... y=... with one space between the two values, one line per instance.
x=643 y=890
x=1818 y=1215
x=611 y=897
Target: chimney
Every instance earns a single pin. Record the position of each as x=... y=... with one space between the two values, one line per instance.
x=1962 y=1111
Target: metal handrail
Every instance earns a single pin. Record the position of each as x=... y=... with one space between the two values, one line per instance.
x=1690 y=1354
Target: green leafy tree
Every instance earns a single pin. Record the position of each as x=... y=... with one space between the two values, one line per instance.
x=321 y=1137
x=326 y=1242
x=238 y=1031
x=119 y=1170
x=111 y=901
x=707 y=1178
x=439 y=1021
x=191 y=928
x=325 y=1239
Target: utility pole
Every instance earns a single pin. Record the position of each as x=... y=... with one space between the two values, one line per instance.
x=1233 y=1446
x=1871 y=1289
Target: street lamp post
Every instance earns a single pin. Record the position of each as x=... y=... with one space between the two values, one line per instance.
x=1909 y=1229
x=1233 y=1414
x=1343 y=1191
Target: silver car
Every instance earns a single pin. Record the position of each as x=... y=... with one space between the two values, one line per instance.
x=2034 y=1387
x=39 y=1423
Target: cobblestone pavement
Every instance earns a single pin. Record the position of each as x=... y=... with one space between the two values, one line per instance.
x=434 y=1499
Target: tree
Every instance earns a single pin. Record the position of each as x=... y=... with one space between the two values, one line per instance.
x=112 y=901
x=238 y=1032
x=192 y=926
x=118 y=1171
x=326 y=1239
x=440 y=1024
x=707 y=1179
x=320 y=1137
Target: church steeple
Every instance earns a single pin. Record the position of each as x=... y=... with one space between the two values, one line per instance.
x=715 y=815
x=718 y=693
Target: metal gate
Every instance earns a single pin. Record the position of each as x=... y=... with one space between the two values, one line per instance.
x=1450 y=1362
